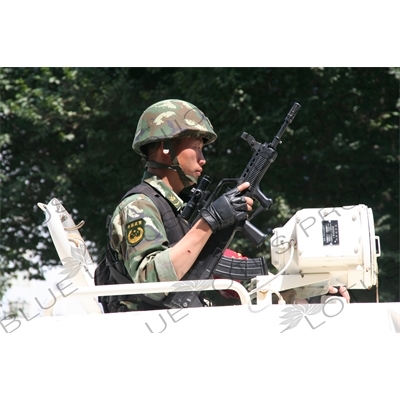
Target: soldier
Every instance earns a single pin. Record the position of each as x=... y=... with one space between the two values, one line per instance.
x=150 y=242
x=170 y=137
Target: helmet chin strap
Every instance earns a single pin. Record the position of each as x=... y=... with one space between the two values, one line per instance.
x=187 y=180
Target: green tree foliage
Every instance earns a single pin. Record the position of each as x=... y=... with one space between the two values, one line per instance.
x=67 y=133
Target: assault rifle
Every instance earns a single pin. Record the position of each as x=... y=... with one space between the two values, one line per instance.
x=229 y=268
x=210 y=257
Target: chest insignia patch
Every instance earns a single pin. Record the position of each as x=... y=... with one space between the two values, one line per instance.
x=135 y=232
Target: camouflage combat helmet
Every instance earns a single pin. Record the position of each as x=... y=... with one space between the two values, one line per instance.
x=171 y=119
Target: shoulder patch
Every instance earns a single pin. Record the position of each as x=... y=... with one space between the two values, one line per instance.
x=135 y=232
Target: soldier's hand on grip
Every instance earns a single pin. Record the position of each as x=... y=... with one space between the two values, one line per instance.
x=229 y=208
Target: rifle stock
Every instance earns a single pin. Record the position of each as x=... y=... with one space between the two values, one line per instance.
x=210 y=257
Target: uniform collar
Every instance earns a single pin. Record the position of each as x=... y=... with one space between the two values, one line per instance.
x=164 y=189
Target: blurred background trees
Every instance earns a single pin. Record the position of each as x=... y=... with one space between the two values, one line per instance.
x=67 y=133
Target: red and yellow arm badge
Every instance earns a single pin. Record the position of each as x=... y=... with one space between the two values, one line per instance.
x=135 y=232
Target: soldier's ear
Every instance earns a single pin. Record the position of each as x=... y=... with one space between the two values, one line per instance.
x=168 y=147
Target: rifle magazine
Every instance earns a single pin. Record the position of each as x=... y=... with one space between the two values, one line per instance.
x=240 y=269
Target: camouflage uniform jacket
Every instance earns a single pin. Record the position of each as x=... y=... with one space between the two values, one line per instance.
x=138 y=234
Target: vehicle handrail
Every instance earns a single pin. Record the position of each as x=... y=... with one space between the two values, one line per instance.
x=154 y=287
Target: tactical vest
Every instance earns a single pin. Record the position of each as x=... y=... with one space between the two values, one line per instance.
x=111 y=270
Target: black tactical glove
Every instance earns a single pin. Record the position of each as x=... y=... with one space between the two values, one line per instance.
x=226 y=210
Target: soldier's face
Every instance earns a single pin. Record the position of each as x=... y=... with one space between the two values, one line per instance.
x=190 y=155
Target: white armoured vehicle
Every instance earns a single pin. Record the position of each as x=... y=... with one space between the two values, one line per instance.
x=317 y=248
